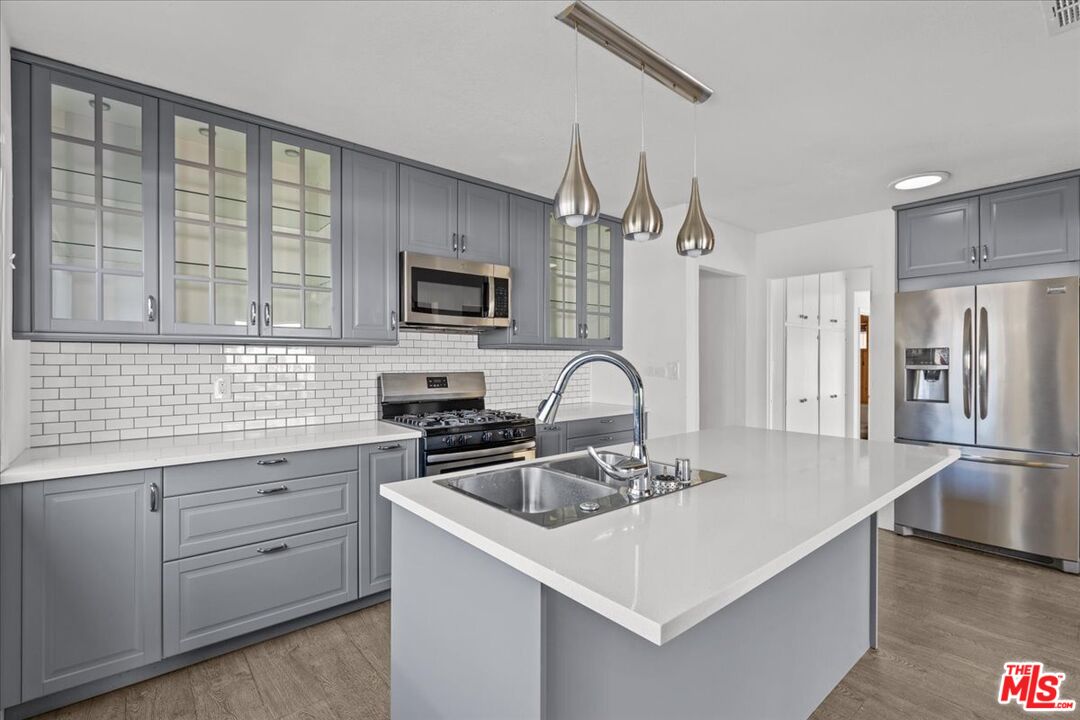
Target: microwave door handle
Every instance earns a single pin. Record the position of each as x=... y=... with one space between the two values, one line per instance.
x=984 y=364
x=966 y=371
x=489 y=292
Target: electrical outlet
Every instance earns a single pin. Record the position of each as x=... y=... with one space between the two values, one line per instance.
x=671 y=371
x=223 y=388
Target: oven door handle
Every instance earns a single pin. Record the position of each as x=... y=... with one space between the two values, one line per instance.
x=472 y=463
x=440 y=458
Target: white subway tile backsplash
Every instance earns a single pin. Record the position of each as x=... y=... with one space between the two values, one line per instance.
x=83 y=392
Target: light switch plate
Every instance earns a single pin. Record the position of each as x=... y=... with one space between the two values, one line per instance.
x=223 y=388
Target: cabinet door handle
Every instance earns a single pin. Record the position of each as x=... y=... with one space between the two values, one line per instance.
x=151 y=308
x=607 y=421
x=551 y=427
x=273 y=490
x=254 y=312
x=395 y=446
x=274 y=461
x=985 y=253
x=585 y=330
x=974 y=257
x=153 y=497
x=393 y=319
x=833 y=320
x=803 y=317
x=266 y=314
x=272 y=549
x=833 y=396
x=513 y=327
x=453 y=242
x=802 y=400
x=464 y=243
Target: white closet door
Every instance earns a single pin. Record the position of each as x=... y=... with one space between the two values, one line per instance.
x=802 y=379
x=811 y=300
x=832 y=383
x=794 y=301
x=833 y=291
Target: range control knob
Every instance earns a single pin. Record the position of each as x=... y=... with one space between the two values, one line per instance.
x=520 y=432
x=448 y=440
x=506 y=434
x=462 y=439
x=486 y=437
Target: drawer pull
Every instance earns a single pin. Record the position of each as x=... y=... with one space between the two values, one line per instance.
x=272 y=549
x=395 y=446
x=274 y=461
x=271 y=491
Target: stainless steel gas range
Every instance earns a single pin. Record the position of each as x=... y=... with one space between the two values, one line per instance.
x=459 y=432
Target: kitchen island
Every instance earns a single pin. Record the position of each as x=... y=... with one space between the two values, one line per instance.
x=745 y=597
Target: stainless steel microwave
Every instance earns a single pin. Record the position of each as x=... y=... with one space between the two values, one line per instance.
x=450 y=293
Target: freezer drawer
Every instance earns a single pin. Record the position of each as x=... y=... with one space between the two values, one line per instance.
x=1019 y=501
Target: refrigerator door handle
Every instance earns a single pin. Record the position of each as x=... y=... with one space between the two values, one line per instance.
x=966 y=360
x=1034 y=464
x=984 y=364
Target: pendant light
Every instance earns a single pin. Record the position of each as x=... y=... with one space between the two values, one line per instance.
x=696 y=237
x=576 y=202
x=642 y=219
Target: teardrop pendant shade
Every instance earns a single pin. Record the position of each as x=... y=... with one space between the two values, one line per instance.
x=696 y=237
x=576 y=202
x=642 y=219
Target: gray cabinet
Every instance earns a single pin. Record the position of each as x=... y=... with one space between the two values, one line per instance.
x=300 y=245
x=370 y=248
x=224 y=594
x=483 y=223
x=528 y=219
x=209 y=224
x=938 y=239
x=380 y=464
x=1031 y=225
x=599 y=441
x=583 y=292
x=91 y=579
x=440 y=215
x=94 y=182
x=550 y=440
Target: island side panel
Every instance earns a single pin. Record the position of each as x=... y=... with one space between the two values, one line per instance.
x=774 y=653
x=464 y=630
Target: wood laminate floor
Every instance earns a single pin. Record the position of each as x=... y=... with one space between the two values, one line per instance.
x=949 y=619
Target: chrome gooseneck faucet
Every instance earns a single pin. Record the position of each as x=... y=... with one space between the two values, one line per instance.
x=634 y=468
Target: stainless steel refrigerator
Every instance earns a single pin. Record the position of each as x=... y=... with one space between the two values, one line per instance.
x=995 y=369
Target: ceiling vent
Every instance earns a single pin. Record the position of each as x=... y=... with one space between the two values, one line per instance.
x=1062 y=15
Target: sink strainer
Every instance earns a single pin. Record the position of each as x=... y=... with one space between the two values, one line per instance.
x=588 y=506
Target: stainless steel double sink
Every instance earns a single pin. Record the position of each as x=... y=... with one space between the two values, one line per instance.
x=559 y=492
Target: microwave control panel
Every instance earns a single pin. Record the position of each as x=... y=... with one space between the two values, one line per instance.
x=502 y=298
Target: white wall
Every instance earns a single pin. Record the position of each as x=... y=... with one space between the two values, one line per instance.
x=722 y=349
x=660 y=321
x=14 y=356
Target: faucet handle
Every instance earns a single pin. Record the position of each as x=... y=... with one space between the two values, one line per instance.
x=627 y=468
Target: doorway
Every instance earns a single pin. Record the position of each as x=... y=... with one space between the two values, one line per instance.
x=721 y=349
x=861 y=362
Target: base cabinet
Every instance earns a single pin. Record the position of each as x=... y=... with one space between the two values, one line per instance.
x=220 y=595
x=380 y=464
x=550 y=440
x=91 y=579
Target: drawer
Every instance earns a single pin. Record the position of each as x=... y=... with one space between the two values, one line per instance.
x=599 y=426
x=598 y=441
x=271 y=467
x=223 y=519
x=221 y=595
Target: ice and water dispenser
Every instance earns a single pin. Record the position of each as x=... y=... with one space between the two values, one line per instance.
x=927 y=371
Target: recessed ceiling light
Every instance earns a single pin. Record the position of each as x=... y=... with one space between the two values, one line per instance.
x=919 y=181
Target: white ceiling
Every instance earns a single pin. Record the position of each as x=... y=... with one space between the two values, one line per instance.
x=818 y=105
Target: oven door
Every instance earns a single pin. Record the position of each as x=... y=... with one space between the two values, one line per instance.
x=446 y=291
x=455 y=461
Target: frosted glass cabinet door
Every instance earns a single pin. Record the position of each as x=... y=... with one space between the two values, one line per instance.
x=602 y=285
x=300 y=207
x=563 y=263
x=209 y=223
x=94 y=226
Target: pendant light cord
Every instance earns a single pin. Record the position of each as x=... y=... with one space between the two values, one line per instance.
x=694 y=174
x=643 y=108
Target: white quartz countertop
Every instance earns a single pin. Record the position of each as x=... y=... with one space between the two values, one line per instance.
x=579 y=411
x=95 y=458
x=660 y=567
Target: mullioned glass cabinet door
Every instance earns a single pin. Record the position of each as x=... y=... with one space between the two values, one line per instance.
x=209 y=223
x=94 y=233
x=300 y=191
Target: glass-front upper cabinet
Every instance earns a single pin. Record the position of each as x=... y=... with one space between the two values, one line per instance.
x=584 y=290
x=300 y=192
x=94 y=204
x=209 y=223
